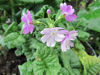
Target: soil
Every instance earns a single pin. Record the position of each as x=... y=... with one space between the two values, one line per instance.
x=9 y=63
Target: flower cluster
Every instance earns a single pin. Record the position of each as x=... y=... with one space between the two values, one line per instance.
x=28 y=25
x=56 y=34
x=68 y=12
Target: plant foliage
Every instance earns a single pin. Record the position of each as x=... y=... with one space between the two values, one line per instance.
x=46 y=62
x=43 y=60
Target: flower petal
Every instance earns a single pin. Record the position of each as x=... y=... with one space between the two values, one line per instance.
x=29 y=15
x=73 y=34
x=63 y=32
x=66 y=44
x=57 y=28
x=25 y=29
x=46 y=31
x=51 y=42
x=71 y=18
x=31 y=28
x=45 y=38
x=59 y=37
x=63 y=6
x=69 y=10
x=24 y=19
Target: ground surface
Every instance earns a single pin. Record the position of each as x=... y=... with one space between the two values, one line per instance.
x=9 y=63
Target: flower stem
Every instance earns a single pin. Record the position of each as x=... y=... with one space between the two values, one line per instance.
x=51 y=25
x=91 y=48
x=38 y=22
x=59 y=17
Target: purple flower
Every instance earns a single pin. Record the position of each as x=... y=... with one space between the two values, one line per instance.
x=28 y=25
x=68 y=12
x=67 y=42
x=48 y=11
x=51 y=35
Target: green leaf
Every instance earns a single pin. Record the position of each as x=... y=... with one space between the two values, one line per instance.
x=78 y=45
x=29 y=54
x=11 y=28
x=80 y=24
x=31 y=1
x=13 y=40
x=94 y=24
x=91 y=64
x=46 y=62
x=26 y=68
x=18 y=52
x=5 y=26
x=83 y=36
x=42 y=12
x=4 y=5
x=82 y=13
x=95 y=5
x=89 y=14
x=54 y=3
x=71 y=62
x=92 y=17
x=63 y=71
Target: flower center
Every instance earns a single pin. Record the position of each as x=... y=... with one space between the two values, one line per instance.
x=65 y=14
x=53 y=33
x=30 y=22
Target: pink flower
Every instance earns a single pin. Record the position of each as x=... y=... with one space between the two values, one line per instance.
x=68 y=40
x=48 y=11
x=51 y=35
x=68 y=12
x=28 y=25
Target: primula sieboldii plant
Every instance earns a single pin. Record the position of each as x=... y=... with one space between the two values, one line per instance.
x=57 y=34
x=54 y=34
x=68 y=12
x=53 y=40
x=28 y=24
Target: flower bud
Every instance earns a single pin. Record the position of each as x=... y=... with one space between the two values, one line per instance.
x=48 y=11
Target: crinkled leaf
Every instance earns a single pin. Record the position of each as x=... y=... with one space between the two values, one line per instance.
x=11 y=28
x=13 y=40
x=46 y=62
x=26 y=68
x=91 y=64
x=63 y=71
x=83 y=36
x=18 y=52
x=71 y=62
